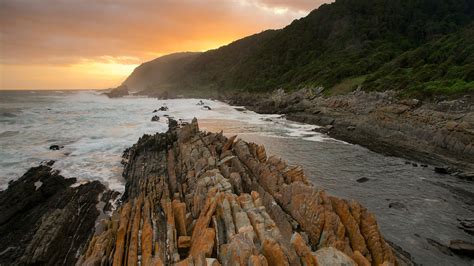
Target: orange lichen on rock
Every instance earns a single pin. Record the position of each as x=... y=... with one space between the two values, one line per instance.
x=196 y=198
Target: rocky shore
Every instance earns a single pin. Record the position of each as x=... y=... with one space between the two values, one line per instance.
x=46 y=220
x=191 y=198
x=117 y=92
x=438 y=133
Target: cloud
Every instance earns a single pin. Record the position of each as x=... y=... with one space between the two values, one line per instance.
x=58 y=31
x=70 y=32
x=295 y=5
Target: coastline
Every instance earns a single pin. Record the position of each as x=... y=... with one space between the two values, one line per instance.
x=439 y=134
x=402 y=206
x=191 y=197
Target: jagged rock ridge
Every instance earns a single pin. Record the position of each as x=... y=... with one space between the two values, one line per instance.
x=45 y=221
x=197 y=198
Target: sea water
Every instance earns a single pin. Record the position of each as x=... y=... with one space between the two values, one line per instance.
x=95 y=130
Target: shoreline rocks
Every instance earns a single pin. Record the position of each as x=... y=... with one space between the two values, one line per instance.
x=118 y=92
x=194 y=197
x=462 y=247
x=55 y=147
x=45 y=221
x=191 y=198
x=437 y=133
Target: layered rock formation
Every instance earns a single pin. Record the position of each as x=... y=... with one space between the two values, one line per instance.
x=45 y=221
x=439 y=133
x=197 y=198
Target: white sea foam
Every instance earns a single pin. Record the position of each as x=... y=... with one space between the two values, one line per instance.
x=38 y=184
x=95 y=130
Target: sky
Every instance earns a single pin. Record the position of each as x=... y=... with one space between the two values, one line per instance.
x=96 y=44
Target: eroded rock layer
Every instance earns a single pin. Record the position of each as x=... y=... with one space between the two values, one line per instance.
x=197 y=198
x=46 y=221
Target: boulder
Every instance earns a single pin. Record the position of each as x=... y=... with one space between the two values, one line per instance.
x=55 y=147
x=441 y=170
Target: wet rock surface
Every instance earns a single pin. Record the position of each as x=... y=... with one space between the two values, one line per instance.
x=462 y=247
x=191 y=198
x=118 y=92
x=55 y=147
x=467 y=225
x=163 y=109
x=45 y=221
x=197 y=198
x=439 y=133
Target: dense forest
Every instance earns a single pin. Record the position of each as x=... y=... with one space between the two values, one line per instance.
x=422 y=48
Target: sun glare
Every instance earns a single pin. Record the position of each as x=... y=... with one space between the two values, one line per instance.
x=109 y=68
x=84 y=75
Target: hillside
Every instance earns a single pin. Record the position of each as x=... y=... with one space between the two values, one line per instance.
x=421 y=47
x=158 y=71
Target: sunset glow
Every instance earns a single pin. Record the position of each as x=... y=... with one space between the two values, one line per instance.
x=86 y=75
x=56 y=44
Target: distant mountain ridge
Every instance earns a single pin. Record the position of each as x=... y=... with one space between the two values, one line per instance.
x=419 y=47
x=158 y=71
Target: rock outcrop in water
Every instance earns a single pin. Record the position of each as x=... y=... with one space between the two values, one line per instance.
x=197 y=198
x=440 y=133
x=45 y=221
x=191 y=198
x=118 y=92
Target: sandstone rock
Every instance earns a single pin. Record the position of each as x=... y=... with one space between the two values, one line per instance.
x=303 y=250
x=259 y=260
x=261 y=154
x=184 y=242
x=179 y=211
x=351 y=225
x=274 y=253
x=147 y=236
x=360 y=259
x=295 y=174
x=229 y=143
x=197 y=198
x=204 y=243
x=238 y=251
x=333 y=257
x=121 y=234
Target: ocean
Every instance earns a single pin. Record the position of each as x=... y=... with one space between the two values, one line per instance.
x=95 y=130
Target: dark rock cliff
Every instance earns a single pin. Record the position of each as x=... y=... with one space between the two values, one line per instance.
x=45 y=221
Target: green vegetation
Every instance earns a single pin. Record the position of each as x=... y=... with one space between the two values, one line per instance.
x=346 y=86
x=422 y=48
x=441 y=67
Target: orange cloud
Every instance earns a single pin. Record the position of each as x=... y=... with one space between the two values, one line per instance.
x=68 y=42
